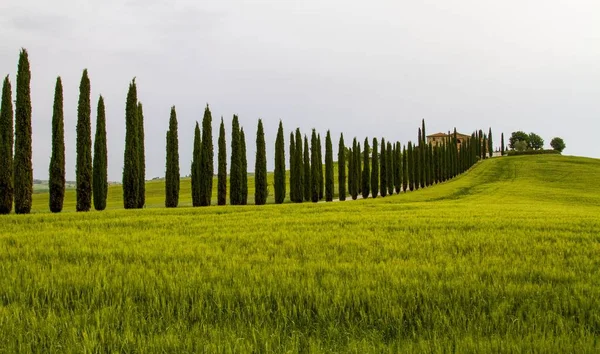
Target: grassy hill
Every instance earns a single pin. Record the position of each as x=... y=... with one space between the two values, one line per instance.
x=502 y=259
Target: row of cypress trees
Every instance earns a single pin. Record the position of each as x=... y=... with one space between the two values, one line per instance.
x=16 y=174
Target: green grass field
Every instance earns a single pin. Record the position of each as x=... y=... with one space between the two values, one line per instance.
x=505 y=258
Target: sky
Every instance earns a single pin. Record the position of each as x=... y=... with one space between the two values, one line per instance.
x=365 y=68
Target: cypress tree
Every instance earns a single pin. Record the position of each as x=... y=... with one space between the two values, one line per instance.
x=196 y=166
x=481 y=145
x=279 y=173
x=342 y=169
x=235 y=178
x=410 y=166
x=172 y=173
x=84 y=146
x=320 y=167
x=404 y=169
x=141 y=201
x=293 y=176
x=398 y=167
x=22 y=166
x=307 y=175
x=6 y=145
x=314 y=164
x=100 y=163
x=490 y=143
x=389 y=168
x=299 y=167
x=374 y=170
x=502 y=144
x=357 y=169
x=383 y=169
x=366 y=172
x=355 y=157
x=222 y=170
x=131 y=165
x=260 y=168
x=206 y=159
x=244 y=165
x=484 y=147
x=351 y=171
x=328 y=168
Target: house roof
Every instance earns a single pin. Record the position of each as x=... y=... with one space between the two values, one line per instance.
x=443 y=135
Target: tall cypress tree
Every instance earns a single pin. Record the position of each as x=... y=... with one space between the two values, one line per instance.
x=131 y=157
x=279 y=173
x=307 y=172
x=404 y=169
x=351 y=169
x=320 y=167
x=141 y=201
x=357 y=169
x=398 y=167
x=366 y=172
x=374 y=170
x=196 y=166
x=389 y=168
x=342 y=169
x=222 y=171
x=172 y=173
x=244 y=164
x=235 y=178
x=293 y=176
x=22 y=166
x=355 y=156
x=299 y=167
x=314 y=164
x=410 y=166
x=260 y=168
x=84 y=146
x=6 y=145
x=490 y=143
x=383 y=169
x=484 y=147
x=206 y=159
x=328 y=168
x=502 y=144
x=100 y=163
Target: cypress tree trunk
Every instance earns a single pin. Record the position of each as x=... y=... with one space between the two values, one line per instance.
x=389 y=168
x=490 y=143
x=320 y=167
x=196 y=166
x=366 y=172
x=502 y=144
x=299 y=168
x=235 y=178
x=279 y=173
x=84 y=146
x=244 y=164
x=6 y=146
x=342 y=169
x=374 y=170
x=404 y=169
x=141 y=201
x=307 y=175
x=100 y=163
x=131 y=165
x=260 y=168
x=328 y=168
x=206 y=160
x=172 y=173
x=293 y=176
x=222 y=171
x=314 y=164
x=383 y=169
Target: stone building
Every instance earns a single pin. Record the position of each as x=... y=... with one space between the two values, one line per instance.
x=439 y=138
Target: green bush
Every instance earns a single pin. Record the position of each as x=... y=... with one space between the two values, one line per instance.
x=533 y=152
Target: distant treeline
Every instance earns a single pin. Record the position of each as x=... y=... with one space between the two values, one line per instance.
x=380 y=169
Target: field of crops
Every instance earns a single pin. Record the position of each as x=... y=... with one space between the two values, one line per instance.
x=505 y=258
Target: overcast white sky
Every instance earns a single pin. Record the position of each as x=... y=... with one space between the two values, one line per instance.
x=367 y=68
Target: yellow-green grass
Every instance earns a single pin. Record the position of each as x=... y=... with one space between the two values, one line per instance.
x=505 y=258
